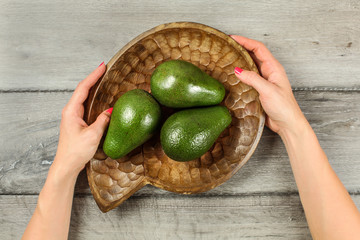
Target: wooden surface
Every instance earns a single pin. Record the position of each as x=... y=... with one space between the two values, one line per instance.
x=46 y=47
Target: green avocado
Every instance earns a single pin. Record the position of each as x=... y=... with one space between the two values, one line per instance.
x=180 y=84
x=188 y=134
x=135 y=118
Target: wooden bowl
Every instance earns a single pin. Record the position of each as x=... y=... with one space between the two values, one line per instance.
x=112 y=181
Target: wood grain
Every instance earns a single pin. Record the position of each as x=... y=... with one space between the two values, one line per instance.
x=180 y=217
x=29 y=135
x=49 y=45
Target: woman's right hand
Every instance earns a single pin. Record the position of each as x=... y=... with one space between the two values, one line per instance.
x=325 y=200
x=283 y=113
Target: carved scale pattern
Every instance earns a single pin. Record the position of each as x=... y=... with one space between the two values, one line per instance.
x=114 y=180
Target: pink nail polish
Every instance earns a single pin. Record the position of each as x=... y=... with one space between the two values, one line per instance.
x=101 y=64
x=110 y=110
x=238 y=70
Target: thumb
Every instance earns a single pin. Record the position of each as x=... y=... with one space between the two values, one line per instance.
x=101 y=122
x=254 y=80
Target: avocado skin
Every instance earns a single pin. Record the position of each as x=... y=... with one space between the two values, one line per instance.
x=135 y=118
x=188 y=134
x=180 y=84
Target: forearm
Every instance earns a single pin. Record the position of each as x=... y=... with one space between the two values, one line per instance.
x=51 y=218
x=329 y=209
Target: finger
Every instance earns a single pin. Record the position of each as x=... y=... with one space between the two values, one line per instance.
x=254 y=80
x=82 y=90
x=243 y=42
x=261 y=55
x=258 y=48
x=101 y=123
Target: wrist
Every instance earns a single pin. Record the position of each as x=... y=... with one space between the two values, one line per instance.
x=296 y=130
x=60 y=171
x=57 y=183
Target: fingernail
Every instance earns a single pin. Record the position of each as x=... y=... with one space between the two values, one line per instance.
x=110 y=110
x=238 y=70
x=101 y=64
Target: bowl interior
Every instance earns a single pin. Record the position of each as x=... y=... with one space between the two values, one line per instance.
x=114 y=180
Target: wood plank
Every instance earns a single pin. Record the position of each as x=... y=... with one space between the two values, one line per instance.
x=50 y=45
x=178 y=217
x=29 y=134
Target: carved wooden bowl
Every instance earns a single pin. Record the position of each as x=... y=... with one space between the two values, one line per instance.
x=112 y=181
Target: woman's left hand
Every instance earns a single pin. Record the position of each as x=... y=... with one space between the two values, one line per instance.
x=78 y=141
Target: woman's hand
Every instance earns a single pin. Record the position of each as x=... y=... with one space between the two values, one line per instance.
x=78 y=141
x=77 y=145
x=325 y=200
x=277 y=99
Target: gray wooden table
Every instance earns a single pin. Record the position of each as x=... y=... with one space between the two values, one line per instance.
x=47 y=47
